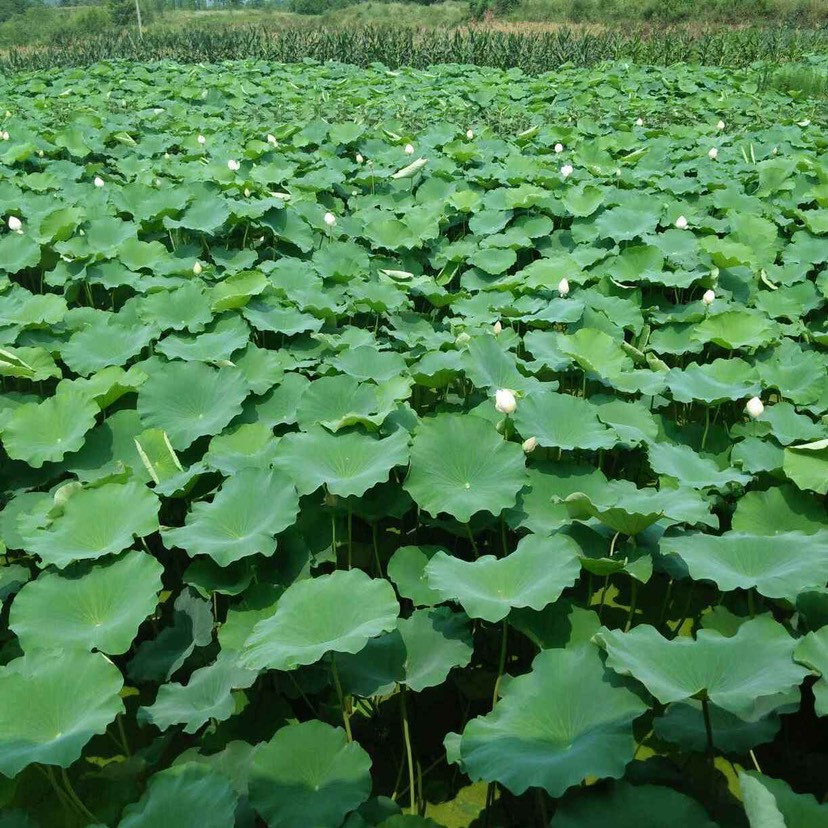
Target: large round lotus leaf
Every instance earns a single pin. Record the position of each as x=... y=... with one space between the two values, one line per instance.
x=348 y=609
x=631 y=421
x=184 y=308
x=369 y=363
x=188 y=400
x=336 y=402
x=435 y=641
x=771 y=803
x=733 y=671
x=461 y=465
x=52 y=702
x=407 y=569
x=562 y=722
x=89 y=608
x=488 y=365
x=789 y=427
x=347 y=463
x=683 y=725
x=534 y=575
x=812 y=651
x=207 y=695
x=243 y=519
x=107 y=341
x=690 y=468
x=596 y=351
x=97 y=522
x=376 y=669
x=807 y=466
x=735 y=329
x=777 y=510
x=631 y=806
x=309 y=774
x=219 y=341
x=184 y=795
x=777 y=566
x=44 y=432
x=563 y=421
x=714 y=382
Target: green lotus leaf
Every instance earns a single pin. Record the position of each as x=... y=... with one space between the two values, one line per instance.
x=812 y=651
x=336 y=402
x=346 y=463
x=369 y=363
x=799 y=375
x=407 y=569
x=376 y=669
x=555 y=726
x=234 y=524
x=35 y=364
x=562 y=421
x=96 y=522
x=309 y=774
x=184 y=308
x=633 y=423
x=207 y=695
x=789 y=427
x=218 y=342
x=157 y=455
x=191 y=400
x=52 y=703
x=596 y=351
x=487 y=365
x=584 y=200
x=18 y=252
x=733 y=672
x=19 y=307
x=736 y=329
x=623 y=223
x=186 y=794
x=628 y=517
x=631 y=806
x=249 y=445
x=777 y=510
x=461 y=465
x=715 y=382
x=771 y=803
x=44 y=432
x=691 y=468
x=98 y=607
x=350 y=609
x=777 y=566
x=435 y=641
x=107 y=341
x=807 y=466
x=278 y=406
x=534 y=575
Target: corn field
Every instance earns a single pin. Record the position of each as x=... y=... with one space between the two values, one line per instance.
x=532 y=52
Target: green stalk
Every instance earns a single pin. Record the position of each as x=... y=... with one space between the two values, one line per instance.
x=75 y=798
x=350 y=534
x=338 y=684
x=502 y=661
x=708 y=727
x=409 y=753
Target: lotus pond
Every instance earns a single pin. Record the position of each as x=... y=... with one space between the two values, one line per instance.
x=412 y=448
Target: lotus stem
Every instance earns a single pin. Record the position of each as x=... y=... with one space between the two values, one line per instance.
x=75 y=798
x=350 y=534
x=473 y=542
x=338 y=684
x=501 y=665
x=706 y=426
x=409 y=753
x=633 y=601
x=708 y=727
x=124 y=740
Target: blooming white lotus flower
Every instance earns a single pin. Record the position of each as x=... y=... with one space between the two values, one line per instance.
x=720 y=126
x=201 y=140
x=358 y=158
x=530 y=445
x=330 y=219
x=505 y=401
x=566 y=170
x=197 y=268
x=98 y=182
x=709 y=297
x=639 y=122
x=681 y=223
x=712 y=153
x=15 y=225
x=233 y=165
x=271 y=139
x=563 y=287
x=469 y=134
x=409 y=149
x=754 y=407
x=558 y=147
x=497 y=328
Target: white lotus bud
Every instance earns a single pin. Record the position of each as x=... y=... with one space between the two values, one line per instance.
x=505 y=401
x=201 y=140
x=271 y=139
x=530 y=445
x=563 y=287
x=197 y=268
x=720 y=126
x=15 y=225
x=754 y=407
x=246 y=193
x=497 y=328
x=462 y=338
x=166 y=156
x=712 y=153
x=566 y=170
x=359 y=159
x=330 y=219
x=233 y=165
x=558 y=147
x=409 y=149
x=709 y=297
x=4 y=135
x=681 y=223
x=639 y=122
x=98 y=182
x=469 y=134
